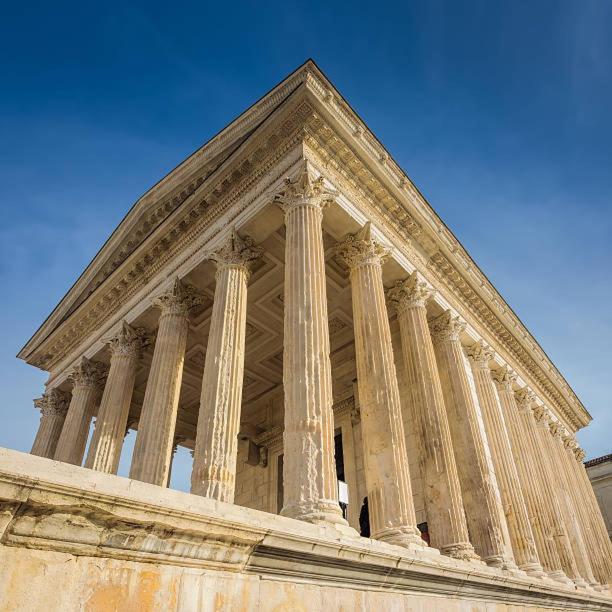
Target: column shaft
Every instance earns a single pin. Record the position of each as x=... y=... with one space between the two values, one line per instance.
x=107 y=441
x=443 y=502
x=519 y=528
x=601 y=551
x=572 y=514
x=525 y=459
x=214 y=466
x=151 y=458
x=309 y=470
x=85 y=394
x=53 y=407
x=538 y=431
x=390 y=502
x=481 y=499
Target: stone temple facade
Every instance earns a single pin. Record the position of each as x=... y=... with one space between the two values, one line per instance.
x=371 y=425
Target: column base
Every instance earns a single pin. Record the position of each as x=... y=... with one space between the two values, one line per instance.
x=581 y=583
x=463 y=550
x=323 y=511
x=501 y=562
x=559 y=576
x=408 y=537
x=533 y=570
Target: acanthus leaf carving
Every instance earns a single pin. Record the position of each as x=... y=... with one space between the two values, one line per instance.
x=410 y=293
x=361 y=248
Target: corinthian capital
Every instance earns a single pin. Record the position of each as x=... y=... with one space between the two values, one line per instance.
x=360 y=248
x=446 y=327
x=411 y=292
x=53 y=403
x=579 y=453
x=303 y=190
x=569 y=441
x=236 y=251
x=480 y=353
x=525 y=398
x=178 y=300
x=542 y=415
x=128 y=340
x=88 y=373
x=504 y=377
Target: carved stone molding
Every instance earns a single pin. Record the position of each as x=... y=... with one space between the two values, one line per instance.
x=128 y=340
x=446 y=327
x=504 y=377
x=525 y=398
x=236 y=252
x=88 y=373
x=481 y=354
x=53 y=403
x=180 y=299
x=304 y=191
x=412 y=292
x=360 y=249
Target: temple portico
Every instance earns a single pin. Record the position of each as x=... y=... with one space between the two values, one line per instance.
x=329 y=357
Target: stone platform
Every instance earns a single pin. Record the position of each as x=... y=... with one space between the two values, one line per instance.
x=77 y=539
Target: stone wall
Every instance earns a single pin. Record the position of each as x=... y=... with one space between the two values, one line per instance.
x=76 y=539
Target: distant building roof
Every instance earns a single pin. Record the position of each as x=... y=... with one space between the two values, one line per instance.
x=598 y=460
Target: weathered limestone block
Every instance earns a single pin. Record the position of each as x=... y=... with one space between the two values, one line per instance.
x=107 y=441
x=214 y=466
x=151 y=458
x=443 y=503
x=87 y=378
x=481 y=499
x=53 y=406
x=309 y=471
x=391 y=507
x=519 y=528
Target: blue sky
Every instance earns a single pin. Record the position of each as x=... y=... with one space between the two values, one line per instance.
x=500 y=113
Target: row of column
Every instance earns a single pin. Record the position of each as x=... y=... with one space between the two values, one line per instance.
x=488 y=460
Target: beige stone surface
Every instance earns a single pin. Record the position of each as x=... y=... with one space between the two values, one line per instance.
x=86 y=378
x=107 y=441
x=391 y=508
x=187 y=552
x=153 y=448
x=214 y=465
x=310 y=483
x=53 y=406
x=519 y=528
x=442 y=492
x=480 y=492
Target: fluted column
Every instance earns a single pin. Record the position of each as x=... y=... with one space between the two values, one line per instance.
x=526 y=460
x=87 y=378
x=391 y=507
x=600 y=548
x=513 y=503
x=571 y=514
x=310 y=486
x=151 y=458
x=53 y=406
x=443 y=502
x=107 y=440
x=216 y=445
x=537 y=425
x=486 y=521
